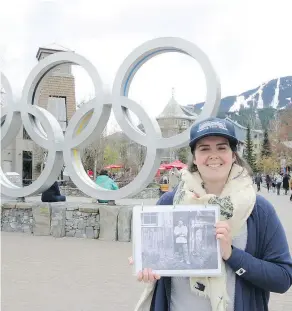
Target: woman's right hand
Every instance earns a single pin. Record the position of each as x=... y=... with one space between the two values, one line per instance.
x=146 y=275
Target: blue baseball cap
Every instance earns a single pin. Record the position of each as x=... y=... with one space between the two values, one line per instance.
x=212 y=127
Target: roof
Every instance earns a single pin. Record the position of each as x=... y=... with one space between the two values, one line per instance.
x=240 y=131
x=241 y=126
x=174 y=110
x=52 y=48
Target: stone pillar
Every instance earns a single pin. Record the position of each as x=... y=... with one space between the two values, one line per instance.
x=58 y=219
x=108 y=222
x=124 y=223
x=42 y=217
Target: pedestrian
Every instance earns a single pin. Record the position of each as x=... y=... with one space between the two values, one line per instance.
x=279 y=180
x=104 y=181
x=254 y=248
x=268 y=182
x=286 y=183
x=290 y=183
x=258 y=181
x=274 y=183
x=53 y=194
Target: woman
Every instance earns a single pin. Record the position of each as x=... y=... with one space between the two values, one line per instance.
x=286 y=183
x=268 y=182
x=290 y=183
x=279 y=180
x=53 y=194
x=104 y=181
x=254 y=248
x=274 y=183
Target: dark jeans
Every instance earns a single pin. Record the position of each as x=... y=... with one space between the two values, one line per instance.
x=268 y=186
x=54 y=198
x=286 y=191
x=259 y=187
x=109 y=202
x=278 y=188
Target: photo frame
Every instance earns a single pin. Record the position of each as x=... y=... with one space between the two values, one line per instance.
x=176 y=240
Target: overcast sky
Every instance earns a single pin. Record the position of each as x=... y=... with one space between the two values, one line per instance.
x=248 y=42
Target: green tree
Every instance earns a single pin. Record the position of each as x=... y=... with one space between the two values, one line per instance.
x=249 y=151
x=110 y=155
x=266 y=147
x=182 y=154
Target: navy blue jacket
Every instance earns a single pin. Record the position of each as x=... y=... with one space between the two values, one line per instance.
x=266 y=259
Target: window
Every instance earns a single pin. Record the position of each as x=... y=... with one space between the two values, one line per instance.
x=184 y=123
x=150 y=219
x=57 y=106
x=25 y=135
x=255 y=136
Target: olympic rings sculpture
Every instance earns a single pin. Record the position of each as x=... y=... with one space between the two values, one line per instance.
x=89 y=121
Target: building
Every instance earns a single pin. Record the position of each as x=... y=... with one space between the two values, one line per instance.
x=257 y=137
x=174 y=119
x=57 y=94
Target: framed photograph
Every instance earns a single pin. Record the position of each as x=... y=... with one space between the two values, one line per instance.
x=176 y=241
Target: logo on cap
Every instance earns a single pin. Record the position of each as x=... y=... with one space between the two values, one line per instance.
x=212 y=125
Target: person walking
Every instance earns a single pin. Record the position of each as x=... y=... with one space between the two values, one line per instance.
x=254 y=248
x=258 y=181
x=274 y=183
x=290 y=184
x=279 y=180
x=268 y=182
x=286 y=183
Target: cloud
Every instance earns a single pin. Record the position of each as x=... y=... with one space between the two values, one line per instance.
x=248 y=42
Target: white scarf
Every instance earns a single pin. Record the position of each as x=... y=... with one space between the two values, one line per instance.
x=236 y=204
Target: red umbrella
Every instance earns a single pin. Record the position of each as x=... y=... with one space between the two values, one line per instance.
x=164 y=166
x=177 y=164
x=113 y=166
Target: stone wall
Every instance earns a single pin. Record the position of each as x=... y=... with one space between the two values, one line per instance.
x=69 y=191
x=82 y=222
x=93 y=221
x=147 y=193
x=18 y=219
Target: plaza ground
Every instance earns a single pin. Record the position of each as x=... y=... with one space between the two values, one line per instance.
x=48 y=274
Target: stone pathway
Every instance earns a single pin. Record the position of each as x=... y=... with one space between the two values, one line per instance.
x=43 y=273
x=284 y=209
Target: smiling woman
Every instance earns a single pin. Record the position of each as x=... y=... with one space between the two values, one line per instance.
x=254 y=248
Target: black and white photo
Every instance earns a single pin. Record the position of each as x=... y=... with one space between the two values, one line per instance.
x=176 y=241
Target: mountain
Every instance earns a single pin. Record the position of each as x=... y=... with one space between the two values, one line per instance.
x=276 y=94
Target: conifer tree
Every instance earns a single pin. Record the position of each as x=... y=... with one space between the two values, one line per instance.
x=249 y=150
x=266 y=147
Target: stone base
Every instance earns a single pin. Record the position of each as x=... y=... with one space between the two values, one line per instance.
x=61 y=219
x=124 y=223
x=42 y=219
x=108 y=222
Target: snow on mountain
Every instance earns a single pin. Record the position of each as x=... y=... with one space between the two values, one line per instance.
x=275 y=101
x=276 y=93
x=240 y=102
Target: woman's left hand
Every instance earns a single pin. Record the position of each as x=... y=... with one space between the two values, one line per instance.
x=224 y=236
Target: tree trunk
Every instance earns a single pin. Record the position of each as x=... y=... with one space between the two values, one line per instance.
x=94 y=170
